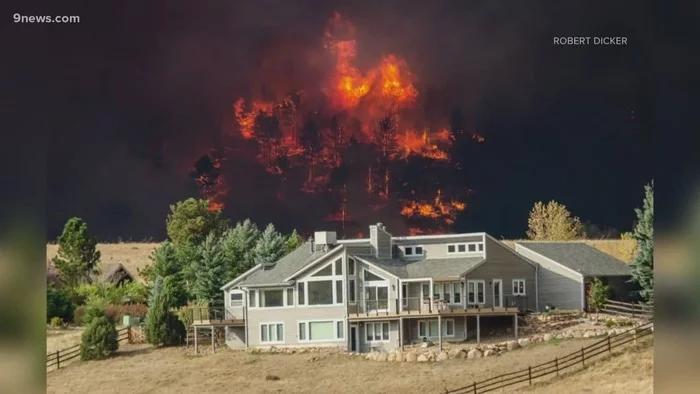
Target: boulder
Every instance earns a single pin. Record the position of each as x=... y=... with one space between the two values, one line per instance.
x=423 y=358
x=461 y=354
x=398 y=356
x=382 y=357
x=578 y=334
x=369 y=356
x=474 y=353
x=512 y=345
x=453 y=353
x=411 y=357
x=548 y=337
x=426 y=344
x=489 y=353
x=523 y=342
x=442 y=356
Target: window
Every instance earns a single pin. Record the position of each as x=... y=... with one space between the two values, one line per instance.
x=408 y=251
x=377 y=331
x=457 y=292
x=518 y=286
x=290 y=297
x=339 y=291
x=325 y=271
x=271 y=298
x=449 y=328
x=404 y=294
x=472 y=247
x=461 y=248
x=426 y=290
x=351 y=290
x=254 y=298
x=419 y=250
x=436 y=290
x=300 y=293
x=446 y=287
x=321 y=292
x=236 y=299
x=377 y=298
x=351 y=266
x=451 y=248
x=428 y=328
x=481 y=246
x=271 y=333
x=475 y=292
x=327 y=330
x=339 y=267
x=372 y=277
x=413 y=251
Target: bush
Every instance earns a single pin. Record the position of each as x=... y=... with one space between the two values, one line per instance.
x=56 y=322
x=116 y=313
x=92 y=312
x=99 y=339
x=79 y=314
x=58 y=304
x=107 y=293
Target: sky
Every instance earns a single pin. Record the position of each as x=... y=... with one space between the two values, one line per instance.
x=150 y=89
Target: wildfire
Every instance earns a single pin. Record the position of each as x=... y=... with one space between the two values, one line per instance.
x=435 y=209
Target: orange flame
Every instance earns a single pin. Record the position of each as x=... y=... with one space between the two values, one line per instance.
x=435 y=209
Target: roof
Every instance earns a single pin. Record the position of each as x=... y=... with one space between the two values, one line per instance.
x=579 y=257
x=114 y=272
x=425 y=268
x=284 y=268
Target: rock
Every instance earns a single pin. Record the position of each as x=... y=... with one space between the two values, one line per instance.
x=391 y=357
x=368 y=356
x=588 y=334
x=382 y=357
x=578 y=334
x=512 y=345
x=426 y=344
x=423 y=358
x=489 y=353
x=461 y=354
x=411 y=357
x=474 y=353
x=398 y=356
x=548 y=337
x=453 y=353
x=442 y=357
x=523 y=342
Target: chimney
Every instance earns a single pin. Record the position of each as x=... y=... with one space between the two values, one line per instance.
x=324 y=240
x=311 y=244
x=381 y=241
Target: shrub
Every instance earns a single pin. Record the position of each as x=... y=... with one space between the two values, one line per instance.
x=56 y=322
x=99 y=339
x=79 y=314
x=58 y=304
x=610 y=323
x=92 y=312
x=116 y=313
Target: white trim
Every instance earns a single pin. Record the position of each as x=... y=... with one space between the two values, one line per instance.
x=438 y=236
x=259 y=296
x=493 y=293
x=318 y=260
x=353 y=241
x=240 y=278
x=416 y=280
x=476 y=250
x=307 y=329
x=454 y=328
x=413 y=248
x=375 y=267
x=381 y=328
x=268 y=342
x=476 y=291
x=512 y=285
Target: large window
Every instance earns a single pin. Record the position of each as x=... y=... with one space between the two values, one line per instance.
x=271 y=298
x=339 y=267
x=476 y=292
x=370 y=277
x=428 y=328
x=289 y=300
x=300 y=293
x=236 y=299
x=378 y=331
x=321 y=292
x=351 y=266
x=320 y=331
x=377 y=298
x=519 y=287
x=271 y=332
x=351 y=290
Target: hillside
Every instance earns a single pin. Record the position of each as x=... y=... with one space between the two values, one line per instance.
x=135 y=255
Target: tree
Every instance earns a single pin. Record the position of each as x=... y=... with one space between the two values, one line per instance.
x=209 y=270
x=239 y=244
x=191 y=220
x=99 y=339
x=643 y=262
x=294 y=241
x=77 y=254
x=270 y=247
x=162 y=326
x=386 y=136
x=58 y=304
x=310 y=140
x=598 y=295
x=553 y=222
x=267 y=129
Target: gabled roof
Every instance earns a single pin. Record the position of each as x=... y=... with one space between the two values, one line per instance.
x=426 y=268
x=284 y=267
x=579 y=257
x=113 y=273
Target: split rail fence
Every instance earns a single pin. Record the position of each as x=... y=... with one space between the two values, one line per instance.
x=59 y=357
x=558 y=364
x=628 y=309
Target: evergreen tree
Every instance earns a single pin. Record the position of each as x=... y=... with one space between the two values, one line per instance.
x=162 y=326
x=270 y=247
x=294 y=241
x=99 y=339
x=239 y=244
x=643 y=262
x=209 y=270
x=77 y=254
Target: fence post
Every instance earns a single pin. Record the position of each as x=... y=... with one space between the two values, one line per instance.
x=609 y=347
x=128 y=336
x=529 y=375
x=58 y=359
x=556 y=363
x=474 y=387
x=634 y=332
x=583 y=359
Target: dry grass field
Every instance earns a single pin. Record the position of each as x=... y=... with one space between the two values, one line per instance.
x=62 y=339
x=134 y=255
x=141 y=369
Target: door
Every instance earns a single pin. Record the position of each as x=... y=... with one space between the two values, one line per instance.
x=498 y=293
x=353 y=338
x=425 y=296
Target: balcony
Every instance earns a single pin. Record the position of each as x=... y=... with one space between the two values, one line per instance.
x=215 y=315
x=419 y=306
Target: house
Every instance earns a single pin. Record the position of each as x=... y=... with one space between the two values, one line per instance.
x=378 y=293
x=567 y=268
x=114 y=273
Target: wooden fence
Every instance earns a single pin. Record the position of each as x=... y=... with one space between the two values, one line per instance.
x=628 y=309
x=558 y=364
x=59 y=357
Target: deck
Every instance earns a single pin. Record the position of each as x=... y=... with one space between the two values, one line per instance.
x=215 y=316
x=376 y=315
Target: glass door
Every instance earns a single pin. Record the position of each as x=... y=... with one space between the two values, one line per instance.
x=376 y=298
x=497 y=293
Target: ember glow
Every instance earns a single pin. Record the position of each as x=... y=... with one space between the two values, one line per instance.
x=345 y=135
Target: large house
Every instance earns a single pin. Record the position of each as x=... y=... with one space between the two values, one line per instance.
x=378 y=293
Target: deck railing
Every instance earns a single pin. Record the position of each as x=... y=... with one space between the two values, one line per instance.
x=421 y=305
x=213 y=313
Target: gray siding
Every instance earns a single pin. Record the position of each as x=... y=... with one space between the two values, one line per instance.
x=382 y=346
x=381 y=241
x=557 y=285
x=359 y=250
x=503 y=263
x=235 y=337
x=411 y=330
x=290 y=317
x=437 y=248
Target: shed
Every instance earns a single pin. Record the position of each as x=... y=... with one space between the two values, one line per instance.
x=566 y=270
x=114 y=273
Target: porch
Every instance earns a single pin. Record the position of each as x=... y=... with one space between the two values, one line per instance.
x=216 y=316
x=419 y=306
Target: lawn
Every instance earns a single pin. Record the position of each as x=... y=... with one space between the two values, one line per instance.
x=62 y=339
x=176 y=370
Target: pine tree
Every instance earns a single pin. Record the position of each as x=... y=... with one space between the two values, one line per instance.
x=294 y=241
x=239 y=244
x=643 y=262
x=270 y=247
x=162 y=326
x=77 y=254
x=209 y=270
